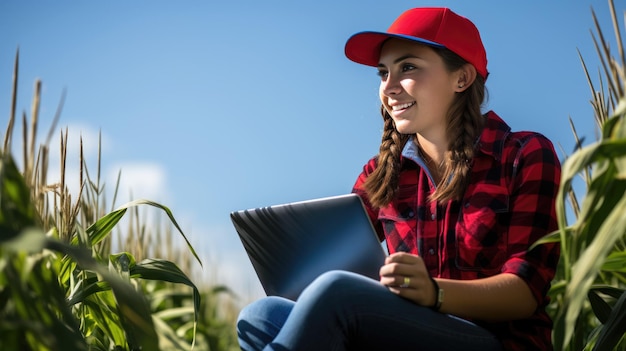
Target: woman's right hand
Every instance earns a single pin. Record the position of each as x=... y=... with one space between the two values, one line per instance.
x=406 y=275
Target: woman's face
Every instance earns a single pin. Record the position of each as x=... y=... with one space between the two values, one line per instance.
x=416 y=88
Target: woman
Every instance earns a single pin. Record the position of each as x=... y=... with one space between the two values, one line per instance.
x=459 y=199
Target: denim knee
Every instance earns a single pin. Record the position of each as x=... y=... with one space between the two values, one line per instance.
x=266 y=308
x=259 y=322
x=332 y=285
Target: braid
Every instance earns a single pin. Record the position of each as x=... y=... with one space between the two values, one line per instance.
x=464 y=124
x=382 y=185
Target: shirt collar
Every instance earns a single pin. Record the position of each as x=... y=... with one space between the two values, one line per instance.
x=411 y=152
x=491 y=141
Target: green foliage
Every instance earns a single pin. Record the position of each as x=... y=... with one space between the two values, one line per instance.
x=593 y=251
x=16 y=210
x=61 y=286
x=37 y=272
x=588 y=292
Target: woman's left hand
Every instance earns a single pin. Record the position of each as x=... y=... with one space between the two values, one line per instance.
x=406 y=275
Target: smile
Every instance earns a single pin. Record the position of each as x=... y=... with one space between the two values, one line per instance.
x=402 y=106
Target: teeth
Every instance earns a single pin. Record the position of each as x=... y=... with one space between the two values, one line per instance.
x=403 y=106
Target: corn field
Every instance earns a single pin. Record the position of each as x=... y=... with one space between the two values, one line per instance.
x=62 y=285
x=588 y=292
x=72 y=279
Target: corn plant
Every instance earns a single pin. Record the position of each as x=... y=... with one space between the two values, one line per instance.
x=588 y=293
x=61 y=287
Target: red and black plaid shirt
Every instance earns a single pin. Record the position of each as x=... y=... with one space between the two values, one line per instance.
x=508 y=205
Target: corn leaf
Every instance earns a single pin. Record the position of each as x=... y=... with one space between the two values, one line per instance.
x=102 y=228
x=615 y=262
x=600 y=308
x=589 y=263
x=87 y=288
x=614 y=328
x=162 y=270
x=16 y=210
x=134 y=311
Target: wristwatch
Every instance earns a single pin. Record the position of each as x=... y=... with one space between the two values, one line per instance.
x=438 y=295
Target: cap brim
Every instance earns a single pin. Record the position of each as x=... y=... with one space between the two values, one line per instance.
x=364 y=47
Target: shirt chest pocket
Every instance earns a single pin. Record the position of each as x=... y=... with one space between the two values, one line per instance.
x=481 y=232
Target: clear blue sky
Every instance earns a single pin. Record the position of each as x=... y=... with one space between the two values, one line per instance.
x=215 y=106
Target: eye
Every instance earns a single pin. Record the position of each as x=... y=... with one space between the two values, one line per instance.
x=408 y=67
x=382 y=74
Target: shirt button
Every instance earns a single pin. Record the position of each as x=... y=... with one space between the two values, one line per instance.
x=433 y=216
x=431 y=251
x=411 y=214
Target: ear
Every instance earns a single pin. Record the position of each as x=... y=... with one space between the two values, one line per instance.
x=465 y=76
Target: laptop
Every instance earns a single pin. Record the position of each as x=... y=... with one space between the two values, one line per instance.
x=291 y=244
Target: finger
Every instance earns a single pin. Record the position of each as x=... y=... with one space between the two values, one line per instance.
x=415 y=290
x=403 y=286
x=402 y=257
x=403 y=264
x=397 y=269
x=396 y=281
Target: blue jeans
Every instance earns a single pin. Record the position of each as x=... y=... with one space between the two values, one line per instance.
x=347 y=311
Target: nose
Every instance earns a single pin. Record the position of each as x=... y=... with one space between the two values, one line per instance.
x=390 y=86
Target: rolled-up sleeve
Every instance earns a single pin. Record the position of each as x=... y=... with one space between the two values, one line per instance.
x=536 y=177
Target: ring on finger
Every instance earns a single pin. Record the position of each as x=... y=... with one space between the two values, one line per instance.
x=406 y=282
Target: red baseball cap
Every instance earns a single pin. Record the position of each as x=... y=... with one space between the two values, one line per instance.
x=433 y=26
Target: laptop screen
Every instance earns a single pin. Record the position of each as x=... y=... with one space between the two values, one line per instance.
x=291 y=244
